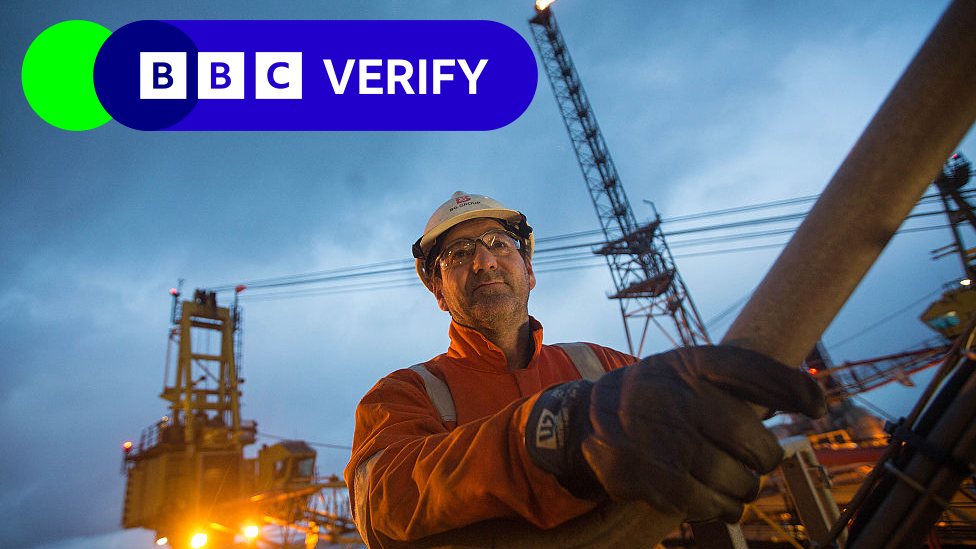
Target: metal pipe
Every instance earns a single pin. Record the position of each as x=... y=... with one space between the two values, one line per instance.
x=927 y=113
x=925 y=116
x=952 y=358
x=908 y=514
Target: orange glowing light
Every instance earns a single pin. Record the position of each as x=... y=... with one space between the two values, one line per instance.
x=251 y=531
x=543 y=4
x=127 y=445
x=813 y=371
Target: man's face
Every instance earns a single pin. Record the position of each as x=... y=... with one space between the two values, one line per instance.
x=490 y=291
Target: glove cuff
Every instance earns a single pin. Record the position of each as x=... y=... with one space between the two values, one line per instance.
x=553 y=435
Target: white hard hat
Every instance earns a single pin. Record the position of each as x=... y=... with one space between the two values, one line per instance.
x=461 y=207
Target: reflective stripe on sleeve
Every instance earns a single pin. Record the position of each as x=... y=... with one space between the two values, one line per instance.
x=438 y=392
x=361 y=492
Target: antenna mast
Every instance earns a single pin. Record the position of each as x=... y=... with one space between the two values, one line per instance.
x=646 y=279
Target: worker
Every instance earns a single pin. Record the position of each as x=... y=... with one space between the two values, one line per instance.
x=504 y=426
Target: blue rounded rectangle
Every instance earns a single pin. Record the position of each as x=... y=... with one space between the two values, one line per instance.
x=358 y=75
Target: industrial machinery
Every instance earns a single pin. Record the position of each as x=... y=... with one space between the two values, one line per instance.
x=187 y=477
x=949 y=315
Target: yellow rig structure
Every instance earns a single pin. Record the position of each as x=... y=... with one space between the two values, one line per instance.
x=187 y=477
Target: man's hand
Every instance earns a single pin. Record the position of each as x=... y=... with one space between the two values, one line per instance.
x=675 y=430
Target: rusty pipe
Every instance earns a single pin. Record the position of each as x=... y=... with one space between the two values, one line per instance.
x=926 y=115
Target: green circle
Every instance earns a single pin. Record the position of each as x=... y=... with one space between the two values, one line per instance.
x=58 y=75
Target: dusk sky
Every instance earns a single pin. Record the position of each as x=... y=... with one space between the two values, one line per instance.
x=704 y=105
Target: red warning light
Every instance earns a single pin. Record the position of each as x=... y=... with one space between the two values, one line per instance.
x=240 y=288
x=813 y=371
x=127 y=445
x=174 y=291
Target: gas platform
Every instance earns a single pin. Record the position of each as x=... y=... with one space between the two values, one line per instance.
x=187 y=477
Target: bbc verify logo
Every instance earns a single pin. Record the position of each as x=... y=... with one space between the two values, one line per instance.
x=220 y=75
x=285 y=75
x=278 y=75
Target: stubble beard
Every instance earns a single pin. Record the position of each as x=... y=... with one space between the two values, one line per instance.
x=494 y=308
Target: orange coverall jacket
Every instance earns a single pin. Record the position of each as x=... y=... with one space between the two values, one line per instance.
x=426 y=477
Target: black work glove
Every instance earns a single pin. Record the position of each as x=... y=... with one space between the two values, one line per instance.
x=674 y=430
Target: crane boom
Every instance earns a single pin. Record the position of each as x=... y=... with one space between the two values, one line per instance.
x=646 y=280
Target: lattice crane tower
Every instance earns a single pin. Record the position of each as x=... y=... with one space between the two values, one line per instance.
x=647 y=282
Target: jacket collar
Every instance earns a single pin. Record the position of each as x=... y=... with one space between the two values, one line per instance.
x=474 y=349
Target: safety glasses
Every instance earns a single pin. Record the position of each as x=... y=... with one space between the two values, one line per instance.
x=461 y=251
